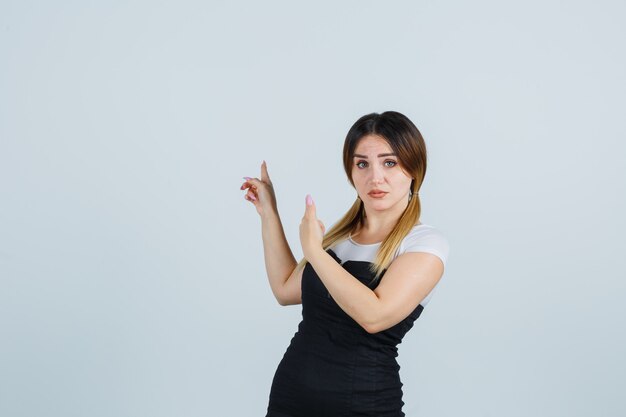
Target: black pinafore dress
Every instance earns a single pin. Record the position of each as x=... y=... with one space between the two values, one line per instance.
x=333 y=367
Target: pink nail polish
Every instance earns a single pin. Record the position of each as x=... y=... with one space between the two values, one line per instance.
x=246 y=178
x=309 y=199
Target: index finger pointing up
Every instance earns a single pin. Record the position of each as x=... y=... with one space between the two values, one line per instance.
x=264 y=175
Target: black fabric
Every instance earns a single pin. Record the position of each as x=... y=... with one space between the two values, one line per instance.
x=333 y=367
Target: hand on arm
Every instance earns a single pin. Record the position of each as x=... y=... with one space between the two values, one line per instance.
x=407 y=281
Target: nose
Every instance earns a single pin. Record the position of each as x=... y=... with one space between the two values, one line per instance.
x=378 y=175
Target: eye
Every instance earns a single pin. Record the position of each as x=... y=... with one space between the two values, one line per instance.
x=394 y=163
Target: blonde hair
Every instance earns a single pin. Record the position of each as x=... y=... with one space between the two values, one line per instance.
x=407 y=142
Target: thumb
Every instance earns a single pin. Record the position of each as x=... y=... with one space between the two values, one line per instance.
x=310 y=207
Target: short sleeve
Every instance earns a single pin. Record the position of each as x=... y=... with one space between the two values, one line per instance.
x=426 y=239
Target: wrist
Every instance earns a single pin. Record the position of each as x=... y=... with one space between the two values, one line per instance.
x=270 y=217
x=316 y=254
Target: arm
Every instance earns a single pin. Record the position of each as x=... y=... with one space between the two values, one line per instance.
x=279 y=260
x=407 y=281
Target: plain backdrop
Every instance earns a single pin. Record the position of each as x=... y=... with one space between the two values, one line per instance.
x=132 y=280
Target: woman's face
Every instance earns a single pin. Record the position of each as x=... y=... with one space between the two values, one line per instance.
x=375 y=167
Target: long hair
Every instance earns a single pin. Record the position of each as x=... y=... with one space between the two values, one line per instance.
x=407 y=142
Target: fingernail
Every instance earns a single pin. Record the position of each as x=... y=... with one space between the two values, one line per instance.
x=246 y=178
x=252 y=197
x=309 y=200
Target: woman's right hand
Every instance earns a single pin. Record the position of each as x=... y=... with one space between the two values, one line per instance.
x=261 y=192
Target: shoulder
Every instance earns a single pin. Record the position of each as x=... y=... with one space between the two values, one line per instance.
x=426 y=238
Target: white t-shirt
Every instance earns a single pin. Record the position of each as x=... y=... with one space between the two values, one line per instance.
x=421 y=238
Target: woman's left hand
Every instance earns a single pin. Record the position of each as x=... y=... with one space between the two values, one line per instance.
x=311 y=230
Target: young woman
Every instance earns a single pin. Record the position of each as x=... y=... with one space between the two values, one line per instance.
x=361 y=285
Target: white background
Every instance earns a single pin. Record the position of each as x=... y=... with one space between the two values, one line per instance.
x=132 y=280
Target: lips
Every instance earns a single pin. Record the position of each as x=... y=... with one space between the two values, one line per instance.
x=376 y=194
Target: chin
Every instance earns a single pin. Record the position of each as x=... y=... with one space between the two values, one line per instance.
x=382 y=204
x=379 y=205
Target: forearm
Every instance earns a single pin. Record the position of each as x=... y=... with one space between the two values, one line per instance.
x=279 y=260
x=352 y=296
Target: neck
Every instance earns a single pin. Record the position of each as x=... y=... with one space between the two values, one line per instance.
x=382 y=222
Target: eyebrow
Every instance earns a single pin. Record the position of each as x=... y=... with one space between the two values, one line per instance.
x=356 y=155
